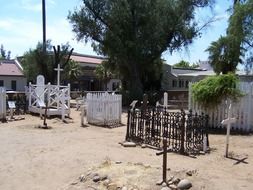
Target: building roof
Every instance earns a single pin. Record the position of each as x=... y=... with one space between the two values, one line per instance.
x=178 y=71
x=199 y=73
x=82 y=58
x=10 y=68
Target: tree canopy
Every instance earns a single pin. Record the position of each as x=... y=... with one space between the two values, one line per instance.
x=38 y=61
x=3 y=54
x=185 y=64
x=133 y=34
x=228 y=51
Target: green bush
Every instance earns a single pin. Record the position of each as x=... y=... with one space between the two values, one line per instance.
x=210 y=91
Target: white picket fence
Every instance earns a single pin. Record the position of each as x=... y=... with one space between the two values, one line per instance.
x=58 y=98
x=2 y=103
x=241 y=110
x=104 y=109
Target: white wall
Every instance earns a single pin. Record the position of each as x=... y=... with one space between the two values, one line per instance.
x=20 y=81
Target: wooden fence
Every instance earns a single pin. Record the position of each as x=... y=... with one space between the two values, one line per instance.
x=104 y=109
x=57 y=97
x=241 y=110
x=2 y=103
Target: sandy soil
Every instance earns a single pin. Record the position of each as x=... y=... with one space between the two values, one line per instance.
x=33 y=158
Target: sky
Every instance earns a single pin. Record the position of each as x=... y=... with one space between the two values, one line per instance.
x=21 y=28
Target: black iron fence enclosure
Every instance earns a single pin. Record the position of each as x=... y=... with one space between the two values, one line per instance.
x=185 y=132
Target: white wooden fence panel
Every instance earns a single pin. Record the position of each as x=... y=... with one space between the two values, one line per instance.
x=58 y=97
x=242 y=110
x=2 y=103
x=104 y=109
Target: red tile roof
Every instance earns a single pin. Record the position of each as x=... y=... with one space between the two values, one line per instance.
x=86 y=58
x=10 y=68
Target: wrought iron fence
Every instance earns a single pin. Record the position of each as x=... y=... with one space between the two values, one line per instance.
x=184 y=132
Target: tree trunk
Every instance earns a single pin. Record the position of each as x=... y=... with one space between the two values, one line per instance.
x=136 y=86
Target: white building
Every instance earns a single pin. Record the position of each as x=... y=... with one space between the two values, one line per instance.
x=12 y=76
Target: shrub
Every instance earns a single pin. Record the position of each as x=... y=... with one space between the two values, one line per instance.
x=210 y=91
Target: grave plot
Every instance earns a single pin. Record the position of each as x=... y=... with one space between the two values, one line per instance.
x=55 y=98
x=104 y=109
x=185 y=133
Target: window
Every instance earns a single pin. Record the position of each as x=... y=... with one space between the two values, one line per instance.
x=1 y=83
x=186 y=84
x=14 y=85
x=174 y=83
x=181 y=83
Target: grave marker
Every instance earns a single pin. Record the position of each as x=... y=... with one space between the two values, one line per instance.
x=58 y=69
x=228 y=123
x=12 y=106
x=40 y=82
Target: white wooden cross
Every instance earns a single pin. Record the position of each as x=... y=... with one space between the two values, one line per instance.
x=228 y=123
x=58 y=69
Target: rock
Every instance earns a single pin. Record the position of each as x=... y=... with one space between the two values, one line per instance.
x=112 y=186
x=189 y=173
x=143 y=146
x=172 y=186
x=147 y=166
x=170 y=179
x=82 y=178
x=129 y=144
x=124 y=188
x=184 y=184
x=96 y=178
x=118 y=162
x=166 y=188
x=74 y=183
x=159 y=182
x=164 y=184
x=106 y=182
x=176 y=180
x=103 y=177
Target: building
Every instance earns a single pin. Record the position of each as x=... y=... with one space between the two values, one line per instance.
x=176 y=80
x=88 y=80
x=12 y=76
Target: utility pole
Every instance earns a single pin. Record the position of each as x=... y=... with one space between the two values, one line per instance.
x=44 y=24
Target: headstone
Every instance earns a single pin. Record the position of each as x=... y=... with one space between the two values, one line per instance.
x=228 y=123
x=40 y=82
x=11 y=104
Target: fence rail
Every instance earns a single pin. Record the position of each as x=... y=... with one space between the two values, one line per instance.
x=2 y=103
x=104 y=109
x=184 y=132
x=241 y=110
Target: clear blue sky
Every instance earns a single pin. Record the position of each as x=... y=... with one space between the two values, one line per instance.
x=21 y=28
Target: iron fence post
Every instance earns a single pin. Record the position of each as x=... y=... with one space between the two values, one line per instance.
x=182 y=132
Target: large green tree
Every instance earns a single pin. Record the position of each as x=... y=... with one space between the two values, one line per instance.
x=38 y=61
x=133 y=34
x=228 y=51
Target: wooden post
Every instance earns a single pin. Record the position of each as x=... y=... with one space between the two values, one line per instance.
x=164 y=153
x=228 y=123
x=165 y=99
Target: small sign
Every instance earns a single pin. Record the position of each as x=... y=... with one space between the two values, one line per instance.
x=41 y=103
x=11 y=104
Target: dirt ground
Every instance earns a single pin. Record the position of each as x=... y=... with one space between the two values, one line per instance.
x=33 y=158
